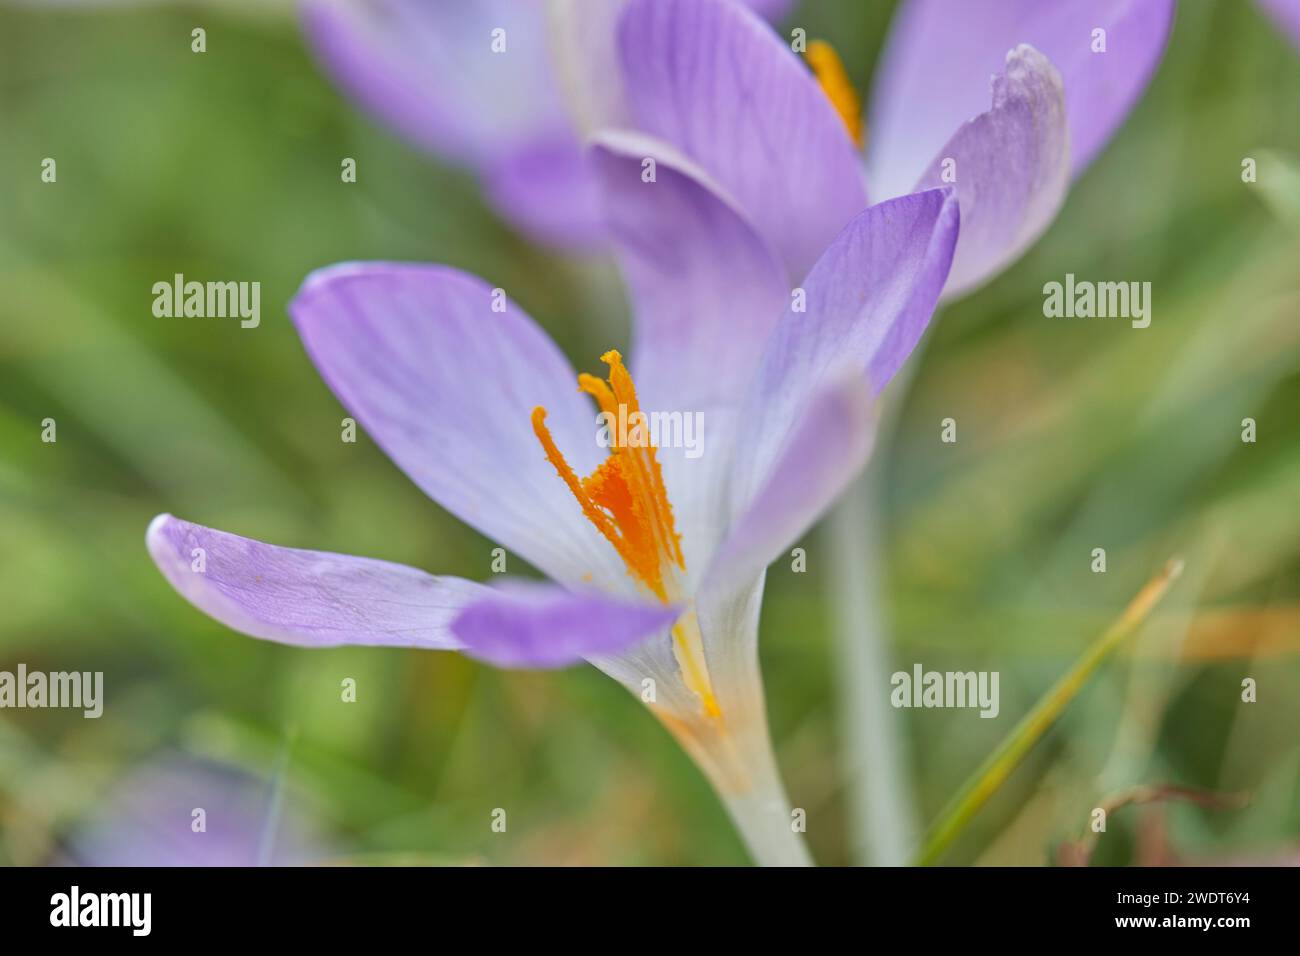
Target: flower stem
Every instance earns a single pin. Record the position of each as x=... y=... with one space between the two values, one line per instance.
x=736 y=756
x=881 y=820
x=765 y=824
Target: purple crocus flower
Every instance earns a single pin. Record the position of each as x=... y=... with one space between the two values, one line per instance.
x=180 y=810
x=656 y=557
x=1073 y=71
x=486 y=85
x=717 y=82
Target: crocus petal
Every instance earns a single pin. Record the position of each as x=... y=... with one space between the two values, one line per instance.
x=1011 y=167
x=145 y=819
x=935 y=71
x=714 y=80
x=1286 y=15
x=821 y=454
x=306 y=598
x=583 y=35
x=868 y=300
x=706 y=293
x=770 y=10
x=444 y=374
x=544 y=626
x=706 y=289
x=546 y=190
x=429 y=72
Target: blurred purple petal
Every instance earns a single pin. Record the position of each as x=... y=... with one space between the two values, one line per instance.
x=585 y=54
x=714 y=80
x=547 y=191
x=869 y=298
x=445 y=384
x=823 y=451
x=584 y=40
x=306 y=598
x=428 y=70
x=1012 y=169
x=935 y=71
x=537 y=625
x=770 y=10
x=149 y=819
x=1286 y=16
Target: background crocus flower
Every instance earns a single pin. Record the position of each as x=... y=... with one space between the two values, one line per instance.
x=151 y=818
x=1286 y=15
x=657 y=559
x=500 y=103
x=717 y=82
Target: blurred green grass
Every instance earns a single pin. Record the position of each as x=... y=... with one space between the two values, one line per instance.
x=1071 y=436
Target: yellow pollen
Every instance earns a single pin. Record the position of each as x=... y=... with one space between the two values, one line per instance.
x=625 y=499
x=835 y=83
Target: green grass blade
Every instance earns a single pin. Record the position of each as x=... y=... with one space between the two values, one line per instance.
x=994 y=771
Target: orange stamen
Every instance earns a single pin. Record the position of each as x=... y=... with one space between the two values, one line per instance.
x=625 y=499
x=835 y=83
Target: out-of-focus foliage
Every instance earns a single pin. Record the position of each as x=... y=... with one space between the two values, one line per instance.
x=1072 y=435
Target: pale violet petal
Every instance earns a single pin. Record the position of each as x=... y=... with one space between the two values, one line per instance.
x=714 y=80
x=1010 y=167
x=540 y=626
x=444 y=372
x=939 y=57
x=306 y=598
